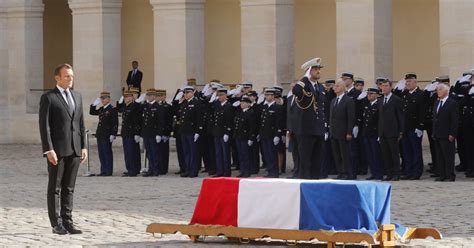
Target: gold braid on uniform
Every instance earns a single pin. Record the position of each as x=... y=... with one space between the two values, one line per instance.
x=313 y=100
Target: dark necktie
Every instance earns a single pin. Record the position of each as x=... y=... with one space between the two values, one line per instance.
x=439 y=106
x=69 y=103
x=337 y=101
x=385 y=101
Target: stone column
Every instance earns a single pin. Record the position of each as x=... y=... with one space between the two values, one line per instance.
x=456 y=37
x=364 y=38
x=4 y=113
x=24 y=44
x=96 y=27
x=267 y=41
x=178 y=42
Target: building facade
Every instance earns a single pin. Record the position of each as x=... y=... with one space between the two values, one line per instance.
x=263 y=41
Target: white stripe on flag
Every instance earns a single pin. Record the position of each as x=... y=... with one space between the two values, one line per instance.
x=269 y=203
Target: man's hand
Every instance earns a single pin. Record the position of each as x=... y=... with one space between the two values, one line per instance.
x=52 y=157
x=451 y=138
x=400 y=137
x=83 y=155
x=348 y=137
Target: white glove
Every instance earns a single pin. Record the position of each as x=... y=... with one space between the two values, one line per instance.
x=378 y=139
x=208 y=92
x=96 y=102
x=137 y=138
x=141 y=98
x=431 y=87
x=283 y=139
x=165 y=139
x=465 y=78
x=225 y=138
x=362 y=95
x=290 y=93
x=158 y=139
x=355 y=131
x=261 y=98
x=213 y=97
x=471 y=91
x=258 y=138
x=121 y=100
x=179 y=96
x=276 y=140
x=326 y=136
x=196 y=137
x=419 y=132
x=112 y=138
x=238 y=90
x=236 y=104
x=250 y=142
x=205 y=88
x=401 y=84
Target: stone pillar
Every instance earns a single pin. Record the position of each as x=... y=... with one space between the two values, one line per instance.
x=178 y=27
x=4 y=113
x=364 y=38
x=456 y=37
x=267 y=41
x=96 y=28
x=24 y=44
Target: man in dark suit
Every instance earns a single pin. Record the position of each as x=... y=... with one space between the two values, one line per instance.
x=445 y=127
x=310 y=97
x=134 y=78
x=390 y=129
x=341 y=123
x=61 y=124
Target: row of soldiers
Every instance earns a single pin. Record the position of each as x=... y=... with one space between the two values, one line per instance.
x=333 y=128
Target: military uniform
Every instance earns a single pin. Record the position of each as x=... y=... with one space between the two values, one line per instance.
x=190 y=128
x=328 y=165
x=310 y=99
x=369 y=135
x=414 y=108
x=176 y=110
x=105 y=134
x=430 y=98
x=245 y=133
x=222 y=131
x=165 y=119
x=130 y=132
x=270 y=132
x=149 y=128
x=256 y=148
x=466 y=126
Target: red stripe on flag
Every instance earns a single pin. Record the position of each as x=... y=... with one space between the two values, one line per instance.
x=217 y=202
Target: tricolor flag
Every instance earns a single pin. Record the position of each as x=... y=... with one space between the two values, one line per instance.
x=293 y=204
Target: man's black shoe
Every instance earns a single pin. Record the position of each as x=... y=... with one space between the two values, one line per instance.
x=387 y=178
x=72 y=229
x=59 y=229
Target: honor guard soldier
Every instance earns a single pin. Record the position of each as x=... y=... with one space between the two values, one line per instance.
x=130 y=132
x=468 y=125
x=390 y=128
x=106 y=132
x=328 y=166
x=359 y=109
x=221 y=131
x=271 y=130
x=178 y=101
x=245 y=133
x=281 y=100
x=430 y=96
x=414 y=109
x=369 y=134
x=150 y=120
x=255 y=153
x=165 y=120
x=310 y=99
x=341 y=124
x=459 y=92
x=190 y=128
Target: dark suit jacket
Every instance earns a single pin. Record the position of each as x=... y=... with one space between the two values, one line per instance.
x=60 y=130
x=313 y=121
x=136 y=80
x=342 y=117
x=446 y=120
x=390 y=117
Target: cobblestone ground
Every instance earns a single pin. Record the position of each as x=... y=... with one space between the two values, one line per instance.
x=114 y=211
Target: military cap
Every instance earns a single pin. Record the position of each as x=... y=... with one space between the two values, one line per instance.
x=359 y=81
x=347 y=75
x=443 y=79
x=134 y=90
x=373 y=90
x=270 y=91
x=247 y=85
x=278 y=88
x=191 y=81
x=128 y=93
x=252 y=93
x=151 y=91
x=410 y=76
x=222 y=90
x=160 y=92
x=245 y=99
x=380 y=80
x=188 y=89
x=330 y=81
x=316 y=62
x=104 y=94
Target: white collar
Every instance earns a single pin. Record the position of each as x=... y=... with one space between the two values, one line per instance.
x=245 y=109
x=413 y=90
x=62 y=90
x=269 y=103
x=388 y=97
x=352 y=87
x=152 y=102
x=190 y=99
x=373 y=102
x=106 y=105
x=340 y=97
x=445 y=98
x=223 y=103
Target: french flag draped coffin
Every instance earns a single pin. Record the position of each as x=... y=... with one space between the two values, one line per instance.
x=293 y=204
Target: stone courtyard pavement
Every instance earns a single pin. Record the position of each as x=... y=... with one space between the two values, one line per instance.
x=114 y=211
